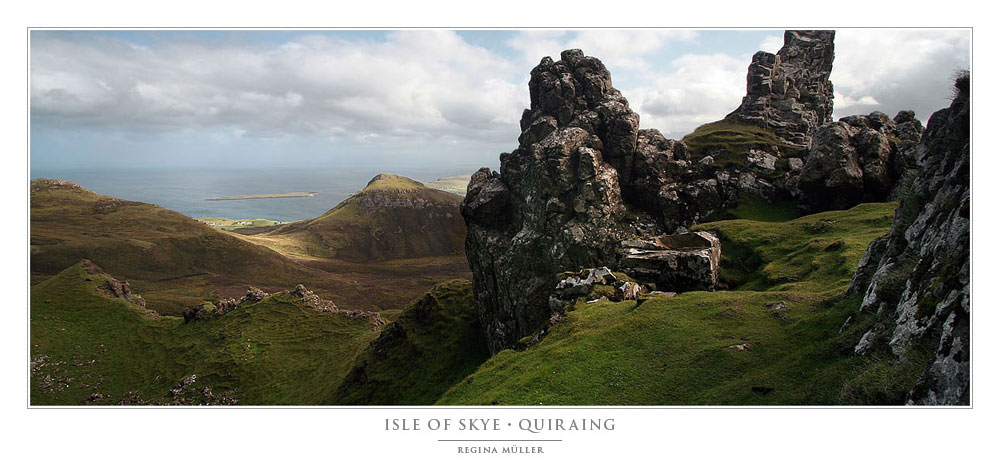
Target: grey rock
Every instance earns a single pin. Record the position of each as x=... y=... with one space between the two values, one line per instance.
x=795 y=164
x=856 y=159
x=629 y=291
x=790 y=92
x=680 y=262
x=761 y=160
x=556 y=204
x=918 y=276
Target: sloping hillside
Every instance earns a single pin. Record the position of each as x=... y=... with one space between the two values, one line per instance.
x=89 y=348
x=436 y=341
x=391 y=218
x=175 y=261
x=782 y=335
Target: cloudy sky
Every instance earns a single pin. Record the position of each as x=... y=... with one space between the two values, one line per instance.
x=300 y=98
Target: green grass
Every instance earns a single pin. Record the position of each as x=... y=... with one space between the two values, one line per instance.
x=173 y=260
x=816 y=253
x=435 y=342
x=730 y=142
x=274 y=352
x=392 y=182
x=679 y=351
x=755 y=208
x=357 y=231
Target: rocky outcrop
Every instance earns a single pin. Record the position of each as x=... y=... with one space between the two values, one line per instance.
x=306 y=298
x=790 y=92
x=583 y=179
x=858 y=159
x=593 y=284
x=111 y=287
x=680 y=262
x=557 y=203
x=312 y=301
x=916 y=279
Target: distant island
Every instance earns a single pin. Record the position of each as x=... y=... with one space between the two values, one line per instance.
x=260 y=196
x=453 y=184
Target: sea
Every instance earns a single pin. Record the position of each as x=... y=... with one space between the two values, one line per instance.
x=186 y=189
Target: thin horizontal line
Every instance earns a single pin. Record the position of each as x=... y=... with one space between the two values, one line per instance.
x=497 y=440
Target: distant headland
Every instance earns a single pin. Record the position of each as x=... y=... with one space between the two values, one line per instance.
x=261 y=196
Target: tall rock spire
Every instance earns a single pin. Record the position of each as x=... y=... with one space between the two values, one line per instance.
x=790 y=92
x=557 y=203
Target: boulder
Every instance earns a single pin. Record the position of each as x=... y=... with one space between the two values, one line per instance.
x=857 y=159
x=680 y=262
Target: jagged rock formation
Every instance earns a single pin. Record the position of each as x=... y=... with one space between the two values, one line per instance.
x=790 y=92
x=592 y=284
x=858 y=159
x=556 y=204
x=582 y=179
x=111 y=286
x=916 y=279
x=680 y=262
x=304 y=297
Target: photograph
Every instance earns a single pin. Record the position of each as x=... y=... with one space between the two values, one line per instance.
x=499 y=217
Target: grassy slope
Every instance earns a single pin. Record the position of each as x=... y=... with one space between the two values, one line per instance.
x=352 y=232
x=173 y=260
x=677 y=350
x=665 y=351
x=436 y=342
x=729 y=142
x=177 y=262
x=273 y=352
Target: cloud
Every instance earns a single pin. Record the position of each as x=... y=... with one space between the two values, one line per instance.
x=772 y=43
x=699 y=89
x=617 y=49
x=431 y=90
x=896 y=69
x=427 y=84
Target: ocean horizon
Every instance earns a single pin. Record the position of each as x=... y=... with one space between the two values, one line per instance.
x=185 y=190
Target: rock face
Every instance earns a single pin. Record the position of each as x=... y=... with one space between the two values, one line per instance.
x=790 y=92
x=916 y=279
x=679 y=262
x=112 y=287
x=858 y=159
x=556 y=204
x=583 y=179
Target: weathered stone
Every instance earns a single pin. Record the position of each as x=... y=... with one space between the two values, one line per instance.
x=680 y=262
x=790 y=92
x=858 y=158
x=557 y=203
x=629 y=290
x=761 y=160
x=111 y=287
x=916 y=280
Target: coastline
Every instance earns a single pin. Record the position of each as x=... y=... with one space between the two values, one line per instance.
x=264 y=196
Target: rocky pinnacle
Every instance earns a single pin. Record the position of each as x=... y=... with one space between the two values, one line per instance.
x=790 y=92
